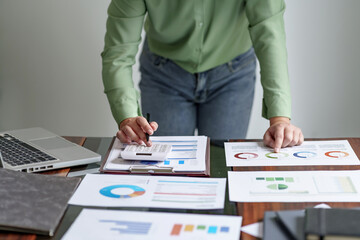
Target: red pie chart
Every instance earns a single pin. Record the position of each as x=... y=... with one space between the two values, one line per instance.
x=246 y=155
x=336 y=154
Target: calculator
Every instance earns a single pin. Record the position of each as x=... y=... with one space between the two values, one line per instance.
x=157 y=152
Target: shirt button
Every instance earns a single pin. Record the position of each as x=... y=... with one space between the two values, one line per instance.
x=201 y=24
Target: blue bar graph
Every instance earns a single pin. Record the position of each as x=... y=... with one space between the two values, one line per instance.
x=127 y=227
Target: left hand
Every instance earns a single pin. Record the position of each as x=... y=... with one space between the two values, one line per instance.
x=282 y=133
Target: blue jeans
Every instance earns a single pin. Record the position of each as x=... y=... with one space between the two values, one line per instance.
x=217 y=102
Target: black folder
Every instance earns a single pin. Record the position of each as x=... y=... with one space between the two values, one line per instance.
x=33 y=203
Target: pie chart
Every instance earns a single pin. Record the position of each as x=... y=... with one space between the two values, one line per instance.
x=246 y=155
x=336 y=154
x=304 y=154
x=277 y=186
x=136 y=191
x=278 y=155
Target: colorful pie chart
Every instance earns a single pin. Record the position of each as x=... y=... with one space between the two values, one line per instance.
x=276 y=155
x=336 y=154
x=304 y=154
x=246 y=155
x=107 y=191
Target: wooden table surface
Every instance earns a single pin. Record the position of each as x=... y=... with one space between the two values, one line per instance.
x=251 y=212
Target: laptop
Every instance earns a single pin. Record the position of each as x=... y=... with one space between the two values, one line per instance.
x=36 y=150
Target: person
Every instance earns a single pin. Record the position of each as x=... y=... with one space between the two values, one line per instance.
x=198 y=68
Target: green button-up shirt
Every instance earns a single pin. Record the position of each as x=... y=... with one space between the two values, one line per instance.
x=197 y=35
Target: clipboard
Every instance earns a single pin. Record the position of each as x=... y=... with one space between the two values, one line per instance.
x=156 y=170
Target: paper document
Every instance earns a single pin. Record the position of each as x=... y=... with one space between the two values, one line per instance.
x=187 y=154
x=295 y=186
x=150 y=191
x=115 y=224
x=254 y=229
x=309 y=153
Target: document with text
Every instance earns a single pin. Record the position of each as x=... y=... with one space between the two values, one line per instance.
x=246 y=154
x=188 y=154
x=295 y=186
x=106 y=190
x=116 y=224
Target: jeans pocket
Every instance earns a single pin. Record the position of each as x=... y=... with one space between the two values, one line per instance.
x=242 y=61
x=157 y=60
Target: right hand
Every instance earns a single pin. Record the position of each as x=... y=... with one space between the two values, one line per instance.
x=133 y=130
x=282 y=133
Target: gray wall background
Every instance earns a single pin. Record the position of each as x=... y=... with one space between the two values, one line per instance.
x=50 y=67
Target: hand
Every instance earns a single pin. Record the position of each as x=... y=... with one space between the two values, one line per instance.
x=133 y=130
x=282 y=133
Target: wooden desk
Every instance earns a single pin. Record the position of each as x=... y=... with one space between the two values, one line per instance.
x=251 y=212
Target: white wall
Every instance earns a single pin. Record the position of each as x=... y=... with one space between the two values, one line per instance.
x=50 y=67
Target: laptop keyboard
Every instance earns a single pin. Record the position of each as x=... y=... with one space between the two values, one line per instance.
x=16 y=152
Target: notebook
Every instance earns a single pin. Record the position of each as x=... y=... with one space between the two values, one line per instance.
x=332 y=224
x=37 y=149
x=272 y=229
x=33 y=203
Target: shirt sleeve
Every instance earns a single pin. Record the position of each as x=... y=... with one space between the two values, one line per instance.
x=122 y=38
x=267 y=32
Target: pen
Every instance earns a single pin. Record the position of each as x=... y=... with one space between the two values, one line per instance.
x=147 y=119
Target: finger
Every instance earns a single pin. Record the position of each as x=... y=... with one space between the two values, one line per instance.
x=143 y=123
x=288 y=136
x=139 y=130
x=296 y=139
x=143 y=130
x=122 y=137
x=154 y=126
x=132 y=133
x=279 y=137
x=146 y=130
x=301 y=138
x=268 y=140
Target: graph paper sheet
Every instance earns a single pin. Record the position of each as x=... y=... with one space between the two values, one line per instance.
x=150 y=191
x=115 y=224
x=295 y=186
